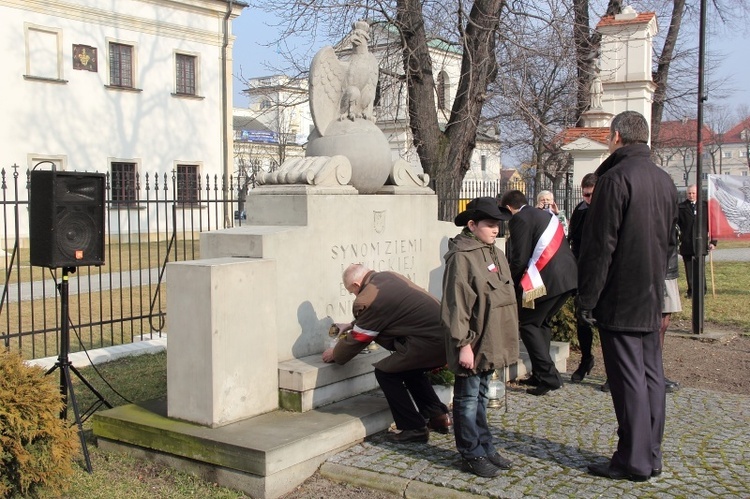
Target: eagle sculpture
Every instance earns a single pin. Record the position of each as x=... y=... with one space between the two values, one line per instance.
x=341 y=89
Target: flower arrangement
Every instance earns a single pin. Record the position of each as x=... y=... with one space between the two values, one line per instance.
x=441 y=376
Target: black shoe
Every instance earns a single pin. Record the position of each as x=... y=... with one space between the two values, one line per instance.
x=670 y=386
x=420 y=435
x=500 y=461
x=606 y=471
x=583 y=369
x=481 y=466
x=605 y=387
x=656 y=472
x=530 y=381
x=689 y=295
x=441 y=424
x=542 y=389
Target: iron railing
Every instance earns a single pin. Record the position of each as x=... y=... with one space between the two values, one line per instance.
x=124 y=299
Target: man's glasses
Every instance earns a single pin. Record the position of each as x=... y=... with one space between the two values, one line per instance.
x=588 y=194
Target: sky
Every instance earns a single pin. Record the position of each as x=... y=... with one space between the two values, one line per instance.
x=252 y=31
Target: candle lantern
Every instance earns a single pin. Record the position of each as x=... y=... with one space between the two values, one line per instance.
x=496 y=389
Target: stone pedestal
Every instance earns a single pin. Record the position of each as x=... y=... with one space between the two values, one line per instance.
x=221 y=362
x=267 y=292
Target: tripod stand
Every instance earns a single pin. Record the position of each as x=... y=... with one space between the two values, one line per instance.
x=63 y=363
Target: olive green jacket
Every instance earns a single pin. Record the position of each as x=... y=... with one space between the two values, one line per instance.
x=479 y=305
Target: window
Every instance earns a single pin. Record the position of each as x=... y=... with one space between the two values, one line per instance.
x=121 y=65
x=265 y=104
x=484 y=163
x=185 y=74
x=743 y=154
x=123 y=182
x=727 y=154
x=43 y=53
x=442 y=90
x=187 y=183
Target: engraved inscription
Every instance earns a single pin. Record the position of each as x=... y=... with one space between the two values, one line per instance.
x=397 y=255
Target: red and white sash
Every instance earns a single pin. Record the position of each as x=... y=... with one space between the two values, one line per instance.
x=531 y=282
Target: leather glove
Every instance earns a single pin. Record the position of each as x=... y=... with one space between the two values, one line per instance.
x=586 y=316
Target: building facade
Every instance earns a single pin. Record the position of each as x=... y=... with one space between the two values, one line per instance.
x=128 y=88
x=726 y=153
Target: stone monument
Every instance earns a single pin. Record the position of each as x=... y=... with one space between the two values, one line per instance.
x=346 y=147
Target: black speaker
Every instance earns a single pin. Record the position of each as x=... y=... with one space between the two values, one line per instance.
x=66 y=219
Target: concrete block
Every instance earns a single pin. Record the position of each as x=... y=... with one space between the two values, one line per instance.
x=222 y=350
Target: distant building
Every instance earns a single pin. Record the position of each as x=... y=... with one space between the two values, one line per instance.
x=675 y=150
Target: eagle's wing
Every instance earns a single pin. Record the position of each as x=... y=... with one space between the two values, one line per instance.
x=736 y=209
x=327 y=75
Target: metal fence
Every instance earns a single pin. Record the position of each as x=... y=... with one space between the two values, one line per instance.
x=567 y=196
x=125 y=298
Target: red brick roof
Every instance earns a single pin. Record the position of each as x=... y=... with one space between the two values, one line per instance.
x=682 y=133
x=597 y=134
x=732 y=136
x=642 y=18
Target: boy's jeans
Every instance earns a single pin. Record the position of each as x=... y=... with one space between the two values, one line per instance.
x=473 y=437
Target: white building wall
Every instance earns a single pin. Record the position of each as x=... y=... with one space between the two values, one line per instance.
x=76 y=119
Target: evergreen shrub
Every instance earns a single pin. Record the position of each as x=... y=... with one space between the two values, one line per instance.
x=36 y=447
x=564 y=326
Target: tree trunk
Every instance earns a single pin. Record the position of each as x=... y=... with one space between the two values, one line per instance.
x=662 y=69
x=446 y=156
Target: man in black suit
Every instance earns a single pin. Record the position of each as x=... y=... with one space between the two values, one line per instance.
x=622 y=267
x=685 y=220
x=544 y=273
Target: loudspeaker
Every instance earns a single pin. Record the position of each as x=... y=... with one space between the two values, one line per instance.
x=66 y=219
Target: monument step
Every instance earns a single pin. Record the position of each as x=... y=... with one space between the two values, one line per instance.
x=308 y=382
x=264 y=456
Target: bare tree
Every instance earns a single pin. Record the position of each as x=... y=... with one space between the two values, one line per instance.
x=444 y=152
x=536 y=88
x=718 y=122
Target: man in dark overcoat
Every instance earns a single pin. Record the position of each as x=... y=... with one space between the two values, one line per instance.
x=686 y=212
x=544 y=273
x=622 y=266
x=403 y=318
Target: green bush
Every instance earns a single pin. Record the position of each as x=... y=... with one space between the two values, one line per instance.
x=564 y=326
x=36 y=446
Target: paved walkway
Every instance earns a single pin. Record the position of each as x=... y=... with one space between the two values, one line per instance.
x=731 y=254
x=551 y=439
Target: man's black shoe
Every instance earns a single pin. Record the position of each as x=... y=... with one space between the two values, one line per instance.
x=420 y=435
x=542 y=389
x=656 y=472
x=605 y=387
x=530 y=381
x=606 y=471
x=500 y=461
x=481 y=466
x=670 y=386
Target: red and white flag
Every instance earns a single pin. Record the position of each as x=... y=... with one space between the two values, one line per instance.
x=729 y=207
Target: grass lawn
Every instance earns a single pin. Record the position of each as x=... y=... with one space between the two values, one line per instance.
x=116 y=475
x=728 y=307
